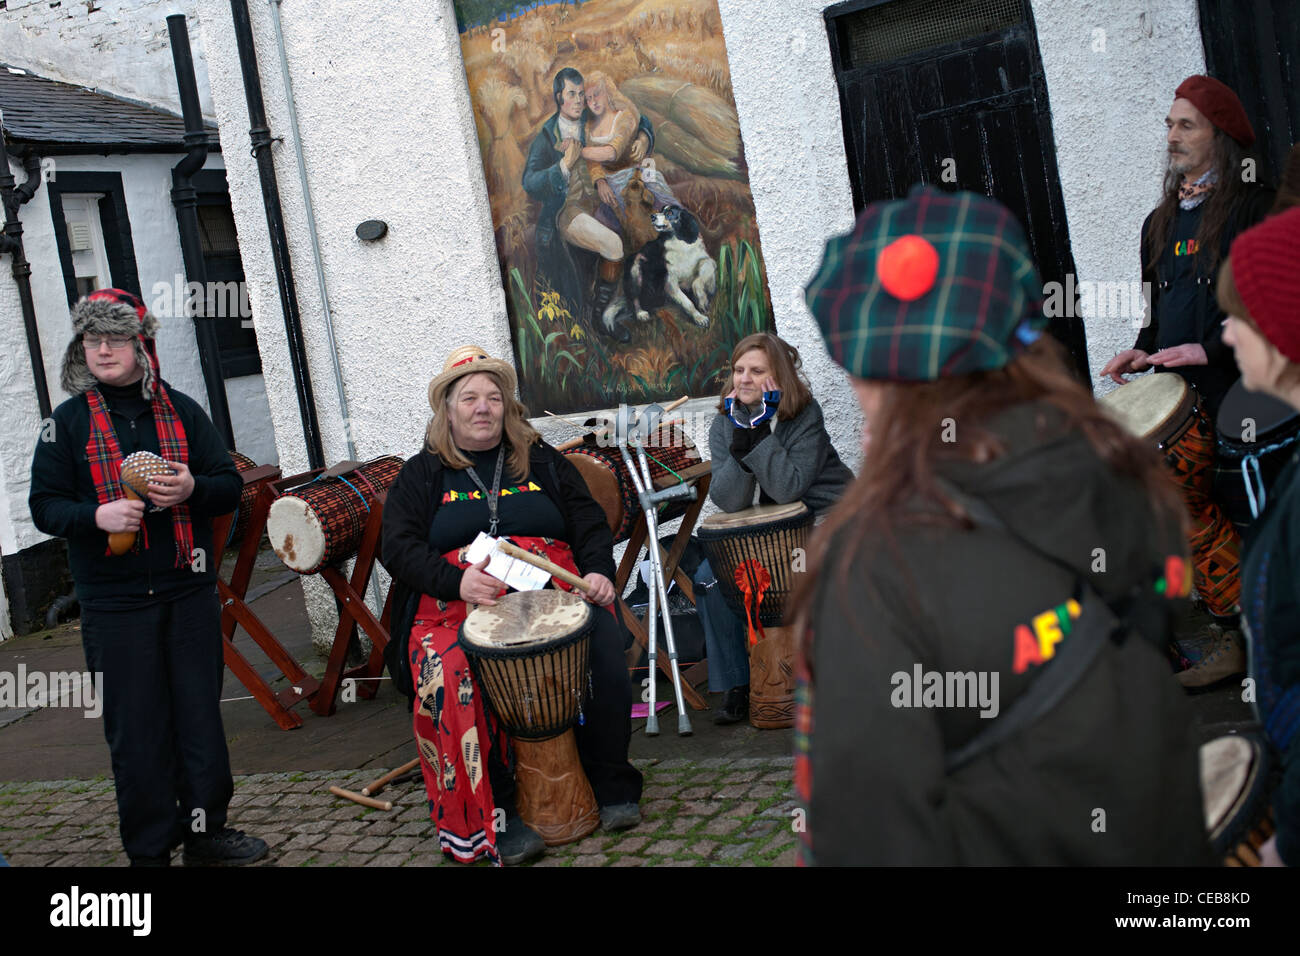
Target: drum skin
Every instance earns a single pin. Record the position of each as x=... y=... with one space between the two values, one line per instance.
x=1236 y=781
x=321 y=523
x=529 y=654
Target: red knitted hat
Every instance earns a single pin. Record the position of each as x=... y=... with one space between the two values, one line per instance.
x=1265 y=267
x=1220 y=106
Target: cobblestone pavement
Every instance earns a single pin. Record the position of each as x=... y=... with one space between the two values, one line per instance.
x=709 y=812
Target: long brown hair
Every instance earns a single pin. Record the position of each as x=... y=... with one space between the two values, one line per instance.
x=1219 y=206
x=787 y=372
x=907 y=447
x=519 y=435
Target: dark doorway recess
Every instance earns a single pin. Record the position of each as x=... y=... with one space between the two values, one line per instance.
x=1255 y=49
x=953 y=94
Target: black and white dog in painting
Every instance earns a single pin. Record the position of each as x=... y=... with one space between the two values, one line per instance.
x=674 y=267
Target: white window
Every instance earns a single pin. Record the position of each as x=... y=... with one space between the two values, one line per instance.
x=86 y=242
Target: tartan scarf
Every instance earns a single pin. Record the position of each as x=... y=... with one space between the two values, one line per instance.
x=105 y=458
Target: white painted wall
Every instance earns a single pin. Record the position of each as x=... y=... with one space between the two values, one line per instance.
x=1109 y=101
x=117 y=46
x=146 y=181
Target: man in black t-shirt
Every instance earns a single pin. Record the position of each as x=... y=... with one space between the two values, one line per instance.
x=1209 y=197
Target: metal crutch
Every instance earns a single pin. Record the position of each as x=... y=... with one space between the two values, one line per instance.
x=650 y=501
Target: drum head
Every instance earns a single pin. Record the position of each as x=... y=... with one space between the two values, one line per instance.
x=295 y=533
x=1269 y=414
x=1149 y=405
x=525 y=618
x=754 y=516
x=1229 y=766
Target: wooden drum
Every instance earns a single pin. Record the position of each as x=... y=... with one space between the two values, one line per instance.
x=529 y=654
x=321 y=522
x=1235 y=786
x=755 y=554
x=669 y=450
x=1163 y=409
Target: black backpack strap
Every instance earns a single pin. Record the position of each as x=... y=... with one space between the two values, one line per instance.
x=1095 y=626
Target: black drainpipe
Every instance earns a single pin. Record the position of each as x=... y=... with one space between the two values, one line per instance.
x=12 y=242
x=260 y=137
x=185 y=198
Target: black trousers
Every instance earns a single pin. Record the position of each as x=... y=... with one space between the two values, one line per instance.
x=606 y=731
x=162 y=670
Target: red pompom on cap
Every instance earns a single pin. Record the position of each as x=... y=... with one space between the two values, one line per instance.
x=908 y=267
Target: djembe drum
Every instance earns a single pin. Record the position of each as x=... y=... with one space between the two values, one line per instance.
x=1235 y=785
x=529 y=654
x=1163 y=409
x=668 y=451
x=321 y=522
x=754 y=554
x=1258 y=435
x=247 y=499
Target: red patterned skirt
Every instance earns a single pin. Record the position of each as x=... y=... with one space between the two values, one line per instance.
x=455 y=733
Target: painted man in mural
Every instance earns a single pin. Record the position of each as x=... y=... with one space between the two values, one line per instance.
x=555 y=178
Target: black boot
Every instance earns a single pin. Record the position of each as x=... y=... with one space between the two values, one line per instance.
x=735 y=706
x=606 y=285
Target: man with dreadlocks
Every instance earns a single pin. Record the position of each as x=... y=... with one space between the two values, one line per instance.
x=150 y=622
x=1209 y=198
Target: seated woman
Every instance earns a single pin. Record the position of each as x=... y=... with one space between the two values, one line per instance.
x=484 y=468
x=1257 y=289
x=769 y=438
x=987 y=608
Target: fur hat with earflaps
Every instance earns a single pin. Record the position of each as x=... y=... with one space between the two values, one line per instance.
x=110 y=312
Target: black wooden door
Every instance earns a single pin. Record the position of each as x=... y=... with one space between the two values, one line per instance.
x=1255 y=48
x=969 y=113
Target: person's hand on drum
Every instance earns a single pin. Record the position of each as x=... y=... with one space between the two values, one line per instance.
x=479 y=587
x=1179 y=355
x=1129 y=361
x=602 y=589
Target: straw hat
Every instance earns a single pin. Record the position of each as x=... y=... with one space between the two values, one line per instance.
x=468 y=360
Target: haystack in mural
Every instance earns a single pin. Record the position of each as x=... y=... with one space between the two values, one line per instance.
x=620 y=195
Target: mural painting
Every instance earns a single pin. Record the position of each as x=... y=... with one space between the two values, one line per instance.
x=620 y=195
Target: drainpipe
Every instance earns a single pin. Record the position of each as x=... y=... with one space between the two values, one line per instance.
x=260 y=137
x=185 y=199
x=11 y=241
x=311 y=229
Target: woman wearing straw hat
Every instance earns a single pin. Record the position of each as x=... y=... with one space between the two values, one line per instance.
x=484 y=468
x=1257 y=289
x=987 y=606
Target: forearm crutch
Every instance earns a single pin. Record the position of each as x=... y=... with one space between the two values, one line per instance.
x=650 y=500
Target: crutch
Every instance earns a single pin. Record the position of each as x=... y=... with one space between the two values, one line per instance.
x=650 y=500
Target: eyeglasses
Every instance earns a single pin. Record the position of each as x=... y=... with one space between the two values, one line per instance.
x=115 y=342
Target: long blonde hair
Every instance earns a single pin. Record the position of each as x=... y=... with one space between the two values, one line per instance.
x=519 y=435
x=618 y=103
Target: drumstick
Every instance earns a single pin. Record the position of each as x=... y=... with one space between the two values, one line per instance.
x=571 y=443
x=120 y=542
x=568 y=421
x=373 y=788
x=358 y=798
x=568 y=577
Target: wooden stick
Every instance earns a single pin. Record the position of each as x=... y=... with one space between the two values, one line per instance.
x=373 y=788
x=569 y=421
x=358 y=798
x=568 y=577
x=571 y=443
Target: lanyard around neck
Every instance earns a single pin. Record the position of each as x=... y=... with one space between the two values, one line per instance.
x=494 y=495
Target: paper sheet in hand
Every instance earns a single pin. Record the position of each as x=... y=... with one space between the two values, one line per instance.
x=517 y=574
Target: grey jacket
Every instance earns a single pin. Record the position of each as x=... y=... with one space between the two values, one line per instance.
x=795 y=463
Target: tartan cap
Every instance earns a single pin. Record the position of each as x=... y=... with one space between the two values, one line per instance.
x=932 y=286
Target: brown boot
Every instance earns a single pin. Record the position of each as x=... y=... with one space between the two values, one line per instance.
x=1224 y=657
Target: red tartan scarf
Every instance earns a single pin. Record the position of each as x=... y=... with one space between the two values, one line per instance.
x=105 y=458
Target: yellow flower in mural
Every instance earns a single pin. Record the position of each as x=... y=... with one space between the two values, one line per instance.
x=551 y=309
x=576 y=332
